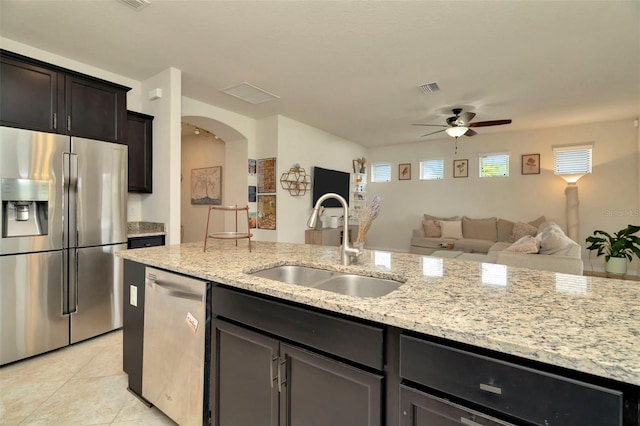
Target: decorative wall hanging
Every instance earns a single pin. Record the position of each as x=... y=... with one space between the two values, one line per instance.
x=531 y=164
x=404 y=171
x=296 y=181
x=460 y=168
x=252 y=194
x=252 y=166
x=266 y=169
x=266 y=212
x=206 y=185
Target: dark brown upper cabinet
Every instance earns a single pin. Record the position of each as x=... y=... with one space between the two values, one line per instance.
x=139 y=140
x=39 y=96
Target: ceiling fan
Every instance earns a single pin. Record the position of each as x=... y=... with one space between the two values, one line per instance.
x=460 y=125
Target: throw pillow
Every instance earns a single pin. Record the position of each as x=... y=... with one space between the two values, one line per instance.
x=451 y=229
x=480 y=229
x=505 y=229
x=539 y=221
x=431 y=228
x=555 y=242
x=526 y=244
x=521 y=229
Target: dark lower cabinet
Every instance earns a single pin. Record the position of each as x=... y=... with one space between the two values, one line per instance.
x=265 y=376
x=421 y=409
x=148 y=241
x=133 y=324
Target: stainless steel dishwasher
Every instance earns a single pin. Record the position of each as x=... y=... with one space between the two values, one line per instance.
x=173 y=368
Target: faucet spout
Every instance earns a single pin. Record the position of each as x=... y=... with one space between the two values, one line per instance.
x=346 y=251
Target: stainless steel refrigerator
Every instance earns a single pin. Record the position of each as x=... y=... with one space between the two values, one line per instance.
x=63 y=215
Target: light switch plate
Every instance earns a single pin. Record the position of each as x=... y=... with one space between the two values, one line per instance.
x=133 y=295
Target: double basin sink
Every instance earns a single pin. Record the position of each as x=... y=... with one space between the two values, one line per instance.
x=337 y=282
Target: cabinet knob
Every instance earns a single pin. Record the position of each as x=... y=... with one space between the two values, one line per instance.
x=492 y=389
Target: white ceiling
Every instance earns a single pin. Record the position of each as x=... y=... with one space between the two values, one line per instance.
x=353 y=68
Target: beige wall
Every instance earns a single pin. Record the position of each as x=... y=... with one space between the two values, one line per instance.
x=199 y=151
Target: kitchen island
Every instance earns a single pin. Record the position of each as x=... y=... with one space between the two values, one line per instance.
x=586 y=327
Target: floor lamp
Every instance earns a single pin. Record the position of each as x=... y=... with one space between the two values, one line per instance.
x=573 y=202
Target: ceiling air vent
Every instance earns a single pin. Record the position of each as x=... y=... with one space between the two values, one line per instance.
x=250 y=93
x=429 y=88
x=136 y=4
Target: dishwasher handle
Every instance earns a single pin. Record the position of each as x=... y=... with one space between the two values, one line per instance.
x=173 y=290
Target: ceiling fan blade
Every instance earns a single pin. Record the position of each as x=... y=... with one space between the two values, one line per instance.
x=489 y=123
x=464 y=118
x=430 y=125
x=432 y=133
x=470 y=132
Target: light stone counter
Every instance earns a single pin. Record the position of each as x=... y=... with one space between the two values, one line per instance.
x=586 y=324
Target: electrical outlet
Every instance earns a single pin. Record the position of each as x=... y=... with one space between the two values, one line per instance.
x=133 y=295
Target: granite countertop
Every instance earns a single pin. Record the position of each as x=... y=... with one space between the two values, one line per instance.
x=588 y=324
x=144 y=229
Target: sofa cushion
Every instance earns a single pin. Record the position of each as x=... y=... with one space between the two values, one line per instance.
x=451 y=229
x=432 y=243
x=526 y=244
x=472 y=245
x=505 y=229
x=553 y=241
x=480 y=229
x=431 y=228
x=539 y=221
x=499 y=246
x=428 y=216
x=520 y=229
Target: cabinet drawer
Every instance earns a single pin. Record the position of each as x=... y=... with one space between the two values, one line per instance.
x=421 y=409
x=350 y=340
x=140 y=242
x=526 y=393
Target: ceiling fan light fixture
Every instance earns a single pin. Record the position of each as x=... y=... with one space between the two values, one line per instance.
x=457 y=131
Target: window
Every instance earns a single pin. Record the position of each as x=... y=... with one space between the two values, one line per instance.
x=381 y=172
x=431 y=169
x=572 y=162
x=493 y=165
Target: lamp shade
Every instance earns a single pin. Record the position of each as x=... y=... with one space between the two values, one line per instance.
x=457 y=131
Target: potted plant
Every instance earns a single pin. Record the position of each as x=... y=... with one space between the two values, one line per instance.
x=616 y=248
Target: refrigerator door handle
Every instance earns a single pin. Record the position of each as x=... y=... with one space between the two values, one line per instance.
x=73 y=282
x=65 y=281
x=73 y=200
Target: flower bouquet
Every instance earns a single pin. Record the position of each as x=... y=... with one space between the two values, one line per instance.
x=367 y=215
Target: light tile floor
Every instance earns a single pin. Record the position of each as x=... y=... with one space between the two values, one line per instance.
x=79 y=385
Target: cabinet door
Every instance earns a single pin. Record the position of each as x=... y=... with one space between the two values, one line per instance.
x=95 y=110
x=29 y=96
x=244 y=391
x=139 y=141
x=322 y=391
x=140 y=242
x=421 y=409
x=133 y=324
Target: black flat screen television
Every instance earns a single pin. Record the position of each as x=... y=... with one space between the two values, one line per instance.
x=325 y=180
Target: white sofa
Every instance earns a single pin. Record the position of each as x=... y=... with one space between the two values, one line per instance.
x=538 y=244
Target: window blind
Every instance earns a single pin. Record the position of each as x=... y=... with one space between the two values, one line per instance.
x=431 y=169
x=572 y=160
x=381 y=172
x=493 y=165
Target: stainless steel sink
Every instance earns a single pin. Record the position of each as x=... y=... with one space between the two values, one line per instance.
x=300 y=275
x=336 y=282
x=358 y=285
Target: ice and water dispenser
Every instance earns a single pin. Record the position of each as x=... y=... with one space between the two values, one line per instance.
x=25 y=207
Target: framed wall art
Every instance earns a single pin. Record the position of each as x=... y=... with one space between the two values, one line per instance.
x=531 y=164
x=460 y=168
x=266 y=170
x=206 y=185
x=266 y=212
x=404 y=171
